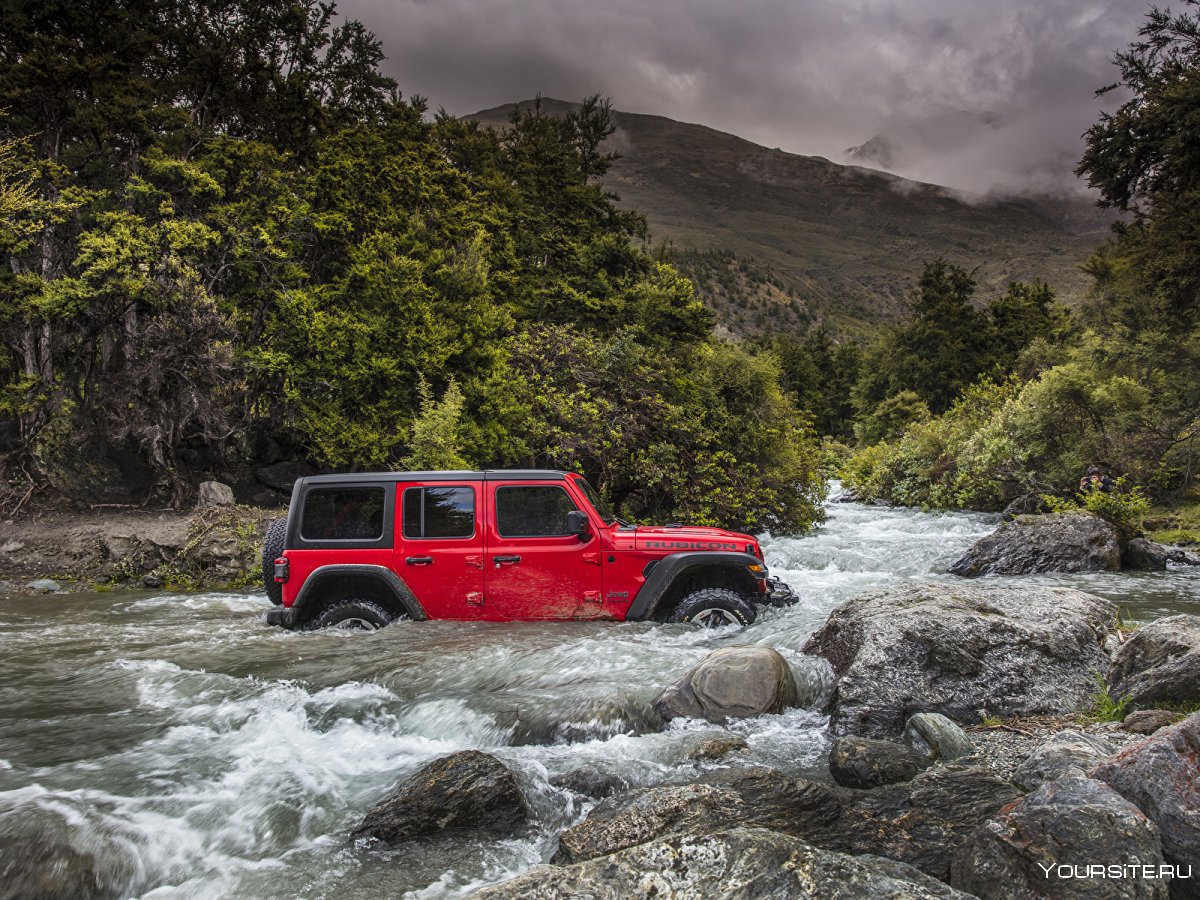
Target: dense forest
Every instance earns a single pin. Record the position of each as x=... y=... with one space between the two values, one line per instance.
x=231 y=241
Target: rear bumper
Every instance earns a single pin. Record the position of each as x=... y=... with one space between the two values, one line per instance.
x=282 y=616
x=778 y=594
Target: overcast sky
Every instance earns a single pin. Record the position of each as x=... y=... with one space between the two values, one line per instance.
x=809 y=76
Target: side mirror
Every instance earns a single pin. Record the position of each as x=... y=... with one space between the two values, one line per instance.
x=577 y=524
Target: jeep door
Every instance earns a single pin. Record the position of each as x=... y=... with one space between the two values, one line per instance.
x=537 y=569
x=439 y=546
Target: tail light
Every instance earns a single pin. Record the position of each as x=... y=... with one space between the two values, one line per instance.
x=281 y=570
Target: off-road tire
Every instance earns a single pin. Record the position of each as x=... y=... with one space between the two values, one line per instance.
x=273 y=545
x=713 y=607
x=361 y=615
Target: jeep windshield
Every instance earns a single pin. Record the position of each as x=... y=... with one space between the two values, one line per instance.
x=598 y=505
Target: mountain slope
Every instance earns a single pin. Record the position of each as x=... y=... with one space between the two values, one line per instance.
x=847 y=241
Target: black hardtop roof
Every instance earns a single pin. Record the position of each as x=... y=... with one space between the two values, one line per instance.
x=484 y=475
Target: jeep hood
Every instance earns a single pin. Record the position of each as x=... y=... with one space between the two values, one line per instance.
x=656 y=537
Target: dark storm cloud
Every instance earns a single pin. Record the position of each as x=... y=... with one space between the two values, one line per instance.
x=810 y=77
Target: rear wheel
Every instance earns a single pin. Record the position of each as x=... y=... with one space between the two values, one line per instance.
x=273 y=545
x=714 y=608
x=355 y=615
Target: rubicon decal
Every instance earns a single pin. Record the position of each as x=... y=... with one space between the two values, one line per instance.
x=690 y=545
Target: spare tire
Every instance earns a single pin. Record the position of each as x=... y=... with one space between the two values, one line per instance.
x=714 y=607
x=273 y=546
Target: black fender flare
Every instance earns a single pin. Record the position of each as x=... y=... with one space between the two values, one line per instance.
x=391 y=581
x=669 y=568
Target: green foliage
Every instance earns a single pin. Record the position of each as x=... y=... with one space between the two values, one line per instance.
x=1104 y=707
x=1126 y=509
x=891 y=417
x=435 y=442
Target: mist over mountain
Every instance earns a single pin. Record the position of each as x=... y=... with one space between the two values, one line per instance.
x=831 y=243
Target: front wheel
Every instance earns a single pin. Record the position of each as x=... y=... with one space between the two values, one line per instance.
x=355 y=615
x=714 y=608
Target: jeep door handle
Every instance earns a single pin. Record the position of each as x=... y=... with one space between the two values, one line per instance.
x=419 y=560
x=501 y=560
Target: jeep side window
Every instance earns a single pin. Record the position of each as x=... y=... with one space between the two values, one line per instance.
x=533 y=511
x=343 y=514
x=439 y=512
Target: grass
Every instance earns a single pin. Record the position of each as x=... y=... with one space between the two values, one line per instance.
x=1104 y=706
x=1178 y=523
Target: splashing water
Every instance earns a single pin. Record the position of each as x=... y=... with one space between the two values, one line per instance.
x=191 y=751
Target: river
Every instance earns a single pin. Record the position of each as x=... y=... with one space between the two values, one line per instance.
x=195 y=752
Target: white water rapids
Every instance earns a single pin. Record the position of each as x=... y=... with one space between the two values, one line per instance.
x=195 y=752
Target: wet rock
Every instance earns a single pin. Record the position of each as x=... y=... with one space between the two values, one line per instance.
x=1181 y=557
x=152 y=581
x=41 y=859
x=45 y=586
x=1063 y=753
x=922 y=822
x=1023 y=506
x=849 y=495
x=1159 y=663
x=1059 y=542
x=739 y=864
x=857 y=762
x=936 y=738
x=591 y=781
x=627 y=820
x=212 y=494
x=1148 y=721
x=1160 y=775
x=731 y=683
x=959 y=648
x=469 y=789
x=716 y=746
x=755 y=796
x=1144 y=555
x=283 y=475
x=814 y=682
x=1071 y=821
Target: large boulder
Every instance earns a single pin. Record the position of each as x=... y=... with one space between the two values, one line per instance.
x=921 y=822
x=739 y=864
x=1073 y=821
x=1144 y=555
x=283 y=475
x=212 y=494
x=859 y=762
x=1159 y=663
x=756 y=796
x=960 y=648
x=731 y=683
x=1060 y=542
x=1060 y=754
x=468 y=789
x=1160 y=775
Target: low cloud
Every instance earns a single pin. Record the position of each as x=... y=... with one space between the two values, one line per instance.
x=812 y=78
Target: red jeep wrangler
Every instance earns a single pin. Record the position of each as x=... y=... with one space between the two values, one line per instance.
x=360 y=551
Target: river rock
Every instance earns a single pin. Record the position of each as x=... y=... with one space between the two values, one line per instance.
x=922 y=822
x=283 y=475
x=45 y=586
x=468 y=789
x=859 y=762
x=1144 y=555
x=1148 y=721
x=731 y=683
x=1058 y=542
x=959 y=648
x=936 y=738
x=1059 y=754
x=44 y=858
x=213 y=494
x=1160 y=775
x=738 y=864
x=715 y=746
x=1070 y=821
x=755 y=796
x=1159 y=663
x=590 y=781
